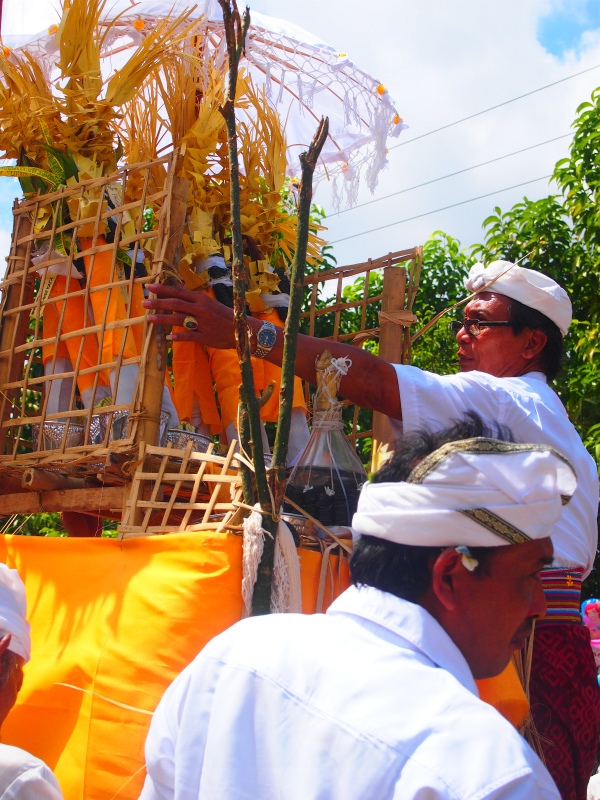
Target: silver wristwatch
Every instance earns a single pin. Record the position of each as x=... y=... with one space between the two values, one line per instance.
x=265 y=339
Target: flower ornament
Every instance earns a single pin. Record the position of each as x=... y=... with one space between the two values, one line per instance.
x=467 y=559
x=136 y=32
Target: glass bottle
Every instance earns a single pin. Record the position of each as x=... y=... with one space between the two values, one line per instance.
x=328 y=475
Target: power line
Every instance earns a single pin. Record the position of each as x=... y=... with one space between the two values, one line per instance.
x=450 y=175
x=492 y=108
x=435 y=210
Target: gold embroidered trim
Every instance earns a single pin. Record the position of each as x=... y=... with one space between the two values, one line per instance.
x=479 y=444
x=497 y=525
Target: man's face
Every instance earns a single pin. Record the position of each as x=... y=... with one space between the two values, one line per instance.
x=11 y=686
x=496 y=350
x=498 y=603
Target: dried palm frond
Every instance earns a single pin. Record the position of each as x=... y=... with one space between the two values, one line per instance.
x=79 y=46
x=26 y=102
x=141 y=129
x=160 y=45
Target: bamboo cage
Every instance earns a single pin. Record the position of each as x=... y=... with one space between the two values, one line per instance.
x=393 y=305
x=73 y=323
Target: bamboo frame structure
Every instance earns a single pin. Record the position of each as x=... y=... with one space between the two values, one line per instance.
x=401 y=273
x=150 y=489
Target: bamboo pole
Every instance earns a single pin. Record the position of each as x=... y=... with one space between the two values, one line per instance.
x=155 y=364
x=236 y=28
x=390 y=348
x=44 y=480
x=15 y=326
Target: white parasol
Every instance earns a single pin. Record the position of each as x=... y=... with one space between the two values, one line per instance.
x=304 y=79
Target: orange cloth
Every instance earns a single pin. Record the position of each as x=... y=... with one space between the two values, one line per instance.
x=74 y=319
x=225 y=370
x=505 y=693
x=121 y=619
x=192 y=377
x=113 y=304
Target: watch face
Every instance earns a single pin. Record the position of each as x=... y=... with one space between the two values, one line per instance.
x=267 y=336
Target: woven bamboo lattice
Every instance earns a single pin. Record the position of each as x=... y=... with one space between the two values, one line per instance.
x=71 y=457
x=71 y=327
x=87 y=316
x=174 y=490
x=351 y=320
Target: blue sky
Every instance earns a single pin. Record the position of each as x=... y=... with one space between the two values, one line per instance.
x=562 y=30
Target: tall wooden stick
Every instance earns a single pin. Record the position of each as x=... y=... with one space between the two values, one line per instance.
x=308 y=162
x=236 y=29
x=14 y=326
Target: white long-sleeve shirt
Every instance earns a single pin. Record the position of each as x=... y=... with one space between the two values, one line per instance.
x=370 y=701
x=534 y=413
x=25 y=777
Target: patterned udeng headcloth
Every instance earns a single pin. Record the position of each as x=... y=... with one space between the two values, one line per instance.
x=476 y=492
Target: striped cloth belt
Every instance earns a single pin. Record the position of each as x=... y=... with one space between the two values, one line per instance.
x=562 y=588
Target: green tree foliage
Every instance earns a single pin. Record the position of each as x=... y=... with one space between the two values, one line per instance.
x=445 y=267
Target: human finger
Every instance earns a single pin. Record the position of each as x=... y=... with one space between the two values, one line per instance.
x=174 y=304
x=180 y=292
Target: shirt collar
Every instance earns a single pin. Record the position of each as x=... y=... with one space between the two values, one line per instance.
x=410 y=621
x=536 y=376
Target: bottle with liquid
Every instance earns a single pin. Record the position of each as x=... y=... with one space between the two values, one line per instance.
x=328 y=475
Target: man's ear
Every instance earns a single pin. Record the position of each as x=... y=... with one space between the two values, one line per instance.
x=5 y=643
x=446 y=569
x=535 y=343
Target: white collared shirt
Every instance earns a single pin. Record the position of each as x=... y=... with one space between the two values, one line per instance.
x=25 y=777
x=371 y=701
x=534 y=413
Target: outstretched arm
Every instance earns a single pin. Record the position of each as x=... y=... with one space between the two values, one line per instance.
x=370 y=383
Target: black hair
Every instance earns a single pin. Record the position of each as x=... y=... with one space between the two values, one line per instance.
x=8 y=661
x=405 y=570
x=523 y=316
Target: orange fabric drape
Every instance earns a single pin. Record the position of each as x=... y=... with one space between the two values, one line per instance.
x=112 y=304
x=74 y=319
x=226 y=374
x=120 y=619
x=192 y=377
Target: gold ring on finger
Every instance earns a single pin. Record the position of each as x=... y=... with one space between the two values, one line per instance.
x=191 y=323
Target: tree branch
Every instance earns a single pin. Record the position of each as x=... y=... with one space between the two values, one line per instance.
x=235 y=37
x=308 y=162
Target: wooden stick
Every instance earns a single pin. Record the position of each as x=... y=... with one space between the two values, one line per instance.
x=236 y=29
x=14 y=328
x=104 y=500
x=308 y=161
x=390 y=348
x=44 y=480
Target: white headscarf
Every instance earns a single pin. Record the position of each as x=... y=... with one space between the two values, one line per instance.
x=529 y=287
x=475 y=492
x=13 y=612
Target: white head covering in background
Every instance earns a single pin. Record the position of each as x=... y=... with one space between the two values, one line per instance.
x=475 y=492
x=13 y=612
x=529 y=287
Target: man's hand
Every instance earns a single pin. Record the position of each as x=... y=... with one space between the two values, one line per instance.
x=371 y=382
x=173 y=304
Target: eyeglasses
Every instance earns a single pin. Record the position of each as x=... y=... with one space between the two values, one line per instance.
x=473 y=326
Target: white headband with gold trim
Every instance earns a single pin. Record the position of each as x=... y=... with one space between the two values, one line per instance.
x=475 y=492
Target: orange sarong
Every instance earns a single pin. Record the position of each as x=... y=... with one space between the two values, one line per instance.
x=225 y=370
x=74 y=319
